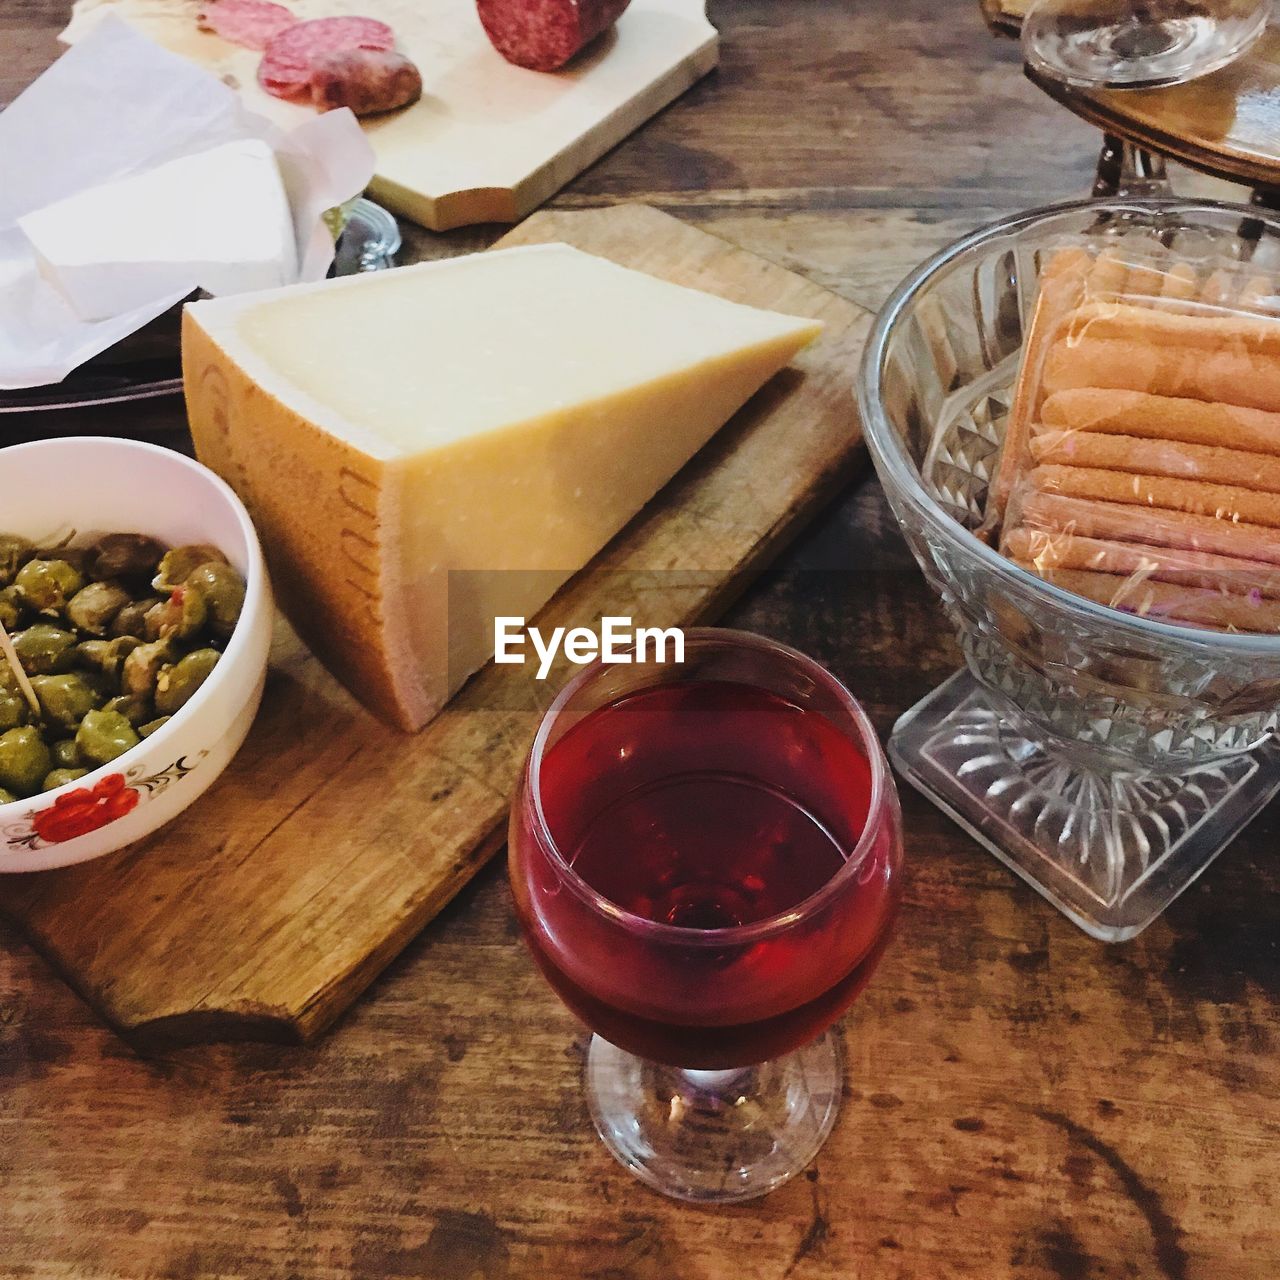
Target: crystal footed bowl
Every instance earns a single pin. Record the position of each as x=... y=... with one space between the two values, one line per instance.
x=1104 y=756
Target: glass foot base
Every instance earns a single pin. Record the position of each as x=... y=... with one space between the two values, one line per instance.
x=1110 y=850
x=715 y=1136
x=1101 y=44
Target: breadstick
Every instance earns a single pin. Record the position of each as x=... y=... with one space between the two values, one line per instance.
x=1137 y=413
x=1236 y=377
x=1209 y=463
x=1225 y=502
x=1180 y=282
x=1167 y=603
x=1258 y=294
x=1106 y=275
x=1062 y=285
x=1154 y=525
x=1200 y=569
x=1217 y=289
x=1161 y=324
x=1144 y=280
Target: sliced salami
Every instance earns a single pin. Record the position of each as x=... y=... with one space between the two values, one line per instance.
x=251 y=23
x=368 y=81
x=544 y=34
x=288 y=81
x=285 y=71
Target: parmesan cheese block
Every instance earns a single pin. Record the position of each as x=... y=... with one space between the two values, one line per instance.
x=429 y=448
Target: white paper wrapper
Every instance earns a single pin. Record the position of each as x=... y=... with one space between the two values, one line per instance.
x=117 y=104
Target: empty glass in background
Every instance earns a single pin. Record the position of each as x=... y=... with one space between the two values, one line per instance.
x=707 y=793
x=1133 y=44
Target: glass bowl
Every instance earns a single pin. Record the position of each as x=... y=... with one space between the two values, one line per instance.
x=1106 y=758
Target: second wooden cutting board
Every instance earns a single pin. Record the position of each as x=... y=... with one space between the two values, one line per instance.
x=266 y=908
x=487 y=142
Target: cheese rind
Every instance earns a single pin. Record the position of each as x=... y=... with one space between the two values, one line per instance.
x=217 y=220
x=429 y=448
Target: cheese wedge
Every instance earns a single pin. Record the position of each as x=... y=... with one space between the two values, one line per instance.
x=429 y=448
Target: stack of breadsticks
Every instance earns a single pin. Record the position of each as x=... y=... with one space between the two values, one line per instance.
x=1141 y=466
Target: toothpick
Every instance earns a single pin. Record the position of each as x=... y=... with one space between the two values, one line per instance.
x=11 y=655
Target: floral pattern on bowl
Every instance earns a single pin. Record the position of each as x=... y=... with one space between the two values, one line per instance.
x=81 y=810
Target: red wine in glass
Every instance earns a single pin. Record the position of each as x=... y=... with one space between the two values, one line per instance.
x=711 y=805
x=705 y=864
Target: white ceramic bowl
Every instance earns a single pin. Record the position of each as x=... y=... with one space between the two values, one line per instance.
x=98 y=486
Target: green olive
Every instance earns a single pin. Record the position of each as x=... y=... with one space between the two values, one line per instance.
x=24 y=760
x=46 y=585
x=105 y=656
x=151 y=622
x=60 y=777
x=125 y=555
x=136 y=710
x=175 y=684
x=93 y=607
x=13 y=710
x=14 y=551
x=104 y=666
x=95 y=655
x=223 y=589
x=64 y=700
x=138 y=674
x=102 y=736
x=11 y=608
x=44 y=649
x=77 y=557
x=183 y=614
x=177 y=565
x=131 y=620
x=101 y=685
x=7 y=797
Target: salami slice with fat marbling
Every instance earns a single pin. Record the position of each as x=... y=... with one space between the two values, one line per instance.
x=251 y=23
x=368 y=81
x=544 y=34
x=285 y=70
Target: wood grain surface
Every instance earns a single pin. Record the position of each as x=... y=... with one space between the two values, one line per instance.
x=266 y=908
x=1021 y=1102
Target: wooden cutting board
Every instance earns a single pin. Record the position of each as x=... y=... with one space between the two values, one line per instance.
x=487 y=142
x=267 y=907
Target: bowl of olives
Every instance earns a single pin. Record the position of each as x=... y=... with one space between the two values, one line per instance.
x=135 y=619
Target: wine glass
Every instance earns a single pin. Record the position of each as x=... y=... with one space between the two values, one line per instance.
x=705 y=858
x=1136 y=44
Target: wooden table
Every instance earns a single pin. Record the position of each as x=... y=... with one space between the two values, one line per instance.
x=1021 y=1101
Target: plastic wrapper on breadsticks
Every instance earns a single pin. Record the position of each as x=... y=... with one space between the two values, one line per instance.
x=1141 y=461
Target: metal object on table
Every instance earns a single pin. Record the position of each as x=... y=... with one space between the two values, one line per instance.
x=1129 y=171
x=145 y=365
x=369 y=242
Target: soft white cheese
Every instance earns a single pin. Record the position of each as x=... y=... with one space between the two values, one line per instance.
x=218 y=220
